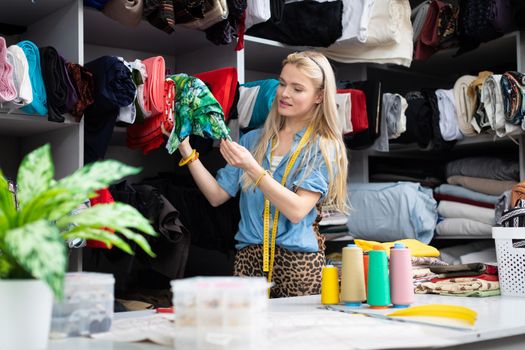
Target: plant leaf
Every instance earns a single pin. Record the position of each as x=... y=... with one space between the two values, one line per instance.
x=99 y=235
x=5 y=266
x=35 y=174
x=116 y=216
x=95 y=176
x=7 y=205
x=39 y=249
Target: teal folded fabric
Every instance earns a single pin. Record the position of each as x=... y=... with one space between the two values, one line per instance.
x=39 y=104
x=263 y=103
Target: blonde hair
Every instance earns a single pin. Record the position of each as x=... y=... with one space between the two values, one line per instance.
x=326 y=131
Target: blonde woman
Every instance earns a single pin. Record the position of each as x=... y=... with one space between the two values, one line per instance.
x=302 y=143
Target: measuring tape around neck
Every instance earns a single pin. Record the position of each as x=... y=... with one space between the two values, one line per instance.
x=269 y=250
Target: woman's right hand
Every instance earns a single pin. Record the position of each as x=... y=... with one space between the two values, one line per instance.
x=185 y=148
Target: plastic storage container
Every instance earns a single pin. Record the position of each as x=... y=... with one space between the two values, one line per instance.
x=220 y=312
x=511 y=259
x=87 y=306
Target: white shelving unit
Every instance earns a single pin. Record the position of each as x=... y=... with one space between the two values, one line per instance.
x=55 y=23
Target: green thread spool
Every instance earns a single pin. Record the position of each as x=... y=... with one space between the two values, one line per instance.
x=378 y=281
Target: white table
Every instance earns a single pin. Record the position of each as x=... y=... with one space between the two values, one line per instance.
x=500 y=325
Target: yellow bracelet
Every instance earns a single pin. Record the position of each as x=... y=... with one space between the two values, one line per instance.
x=189 y=159
x=260 y=178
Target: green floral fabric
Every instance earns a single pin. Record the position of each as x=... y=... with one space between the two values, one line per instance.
x=197 y=112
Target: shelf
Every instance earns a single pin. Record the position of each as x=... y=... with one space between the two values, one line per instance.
x=26 y=12
x=18 y=124
x=497 y=53
x=469 y=237
x=103 y=31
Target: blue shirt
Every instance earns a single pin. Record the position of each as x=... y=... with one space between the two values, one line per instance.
x=298 y=237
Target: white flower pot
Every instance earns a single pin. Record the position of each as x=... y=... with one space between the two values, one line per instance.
x=25 y=314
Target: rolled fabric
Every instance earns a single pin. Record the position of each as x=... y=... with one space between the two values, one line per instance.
x=126 y=12
x=98 y=4
x=359 y=117
x=147 y=136
x=139 y=77
x=127 y=114
x=448 y=119
x=7 y=85
x=513 y=99
x=394 y=107
x=257 y=11
x=356 y=17
x=487 y=167
x=418 y=16
x=114 y=88
x=82 y=79
x=216 y=11
x=465 y=106
x=344 y=111
x=24 y=93
x=462 y=227
x=159 y=14
x=487 y=186
x=197 y=112
x=492 y=99
x=154 y=85
x=479 y=121
x=246 y=104
x=517 y=193
x=39 y=103
x=222 y=83
x=61 y=95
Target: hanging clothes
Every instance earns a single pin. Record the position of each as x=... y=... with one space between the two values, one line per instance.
x=114 y=88
x=197 y=112
x=82 y=79
x=126 y=12
x=39 y=103
x=7 y=86
x=60 y=92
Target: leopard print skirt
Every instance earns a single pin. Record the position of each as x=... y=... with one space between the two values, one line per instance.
x=294 y=273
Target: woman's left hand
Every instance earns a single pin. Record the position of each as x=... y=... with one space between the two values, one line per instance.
x=237 y=155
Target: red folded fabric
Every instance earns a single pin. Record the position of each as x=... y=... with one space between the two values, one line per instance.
x=222 y=83
x=484 y=276
x=154 y=85
x=104 y=197
x=446 y=197
x=147 y=136
x=359 y=113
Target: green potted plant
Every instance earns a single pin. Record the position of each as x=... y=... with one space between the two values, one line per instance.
x=33 y=230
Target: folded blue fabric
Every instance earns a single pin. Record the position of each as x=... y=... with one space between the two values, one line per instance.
x=462 y=192
x=391 y=211
x=39 y=104
x=263 y=103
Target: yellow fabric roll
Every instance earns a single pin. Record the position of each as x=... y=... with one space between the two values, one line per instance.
x=416 y=247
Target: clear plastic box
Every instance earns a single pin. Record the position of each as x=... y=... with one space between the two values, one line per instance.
x=87 y=306
x=220 y=312
x=511 y=260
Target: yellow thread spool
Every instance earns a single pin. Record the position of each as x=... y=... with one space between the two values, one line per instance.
x=330 y=285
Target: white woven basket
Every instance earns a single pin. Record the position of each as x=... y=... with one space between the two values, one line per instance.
x=511 y=261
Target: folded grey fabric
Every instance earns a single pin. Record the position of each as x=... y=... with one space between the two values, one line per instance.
x=462 y=192
x=492 y=99
x=394 y=107
x=448 y=119
x=462 y=227
x=484 y=167
x=502 y=205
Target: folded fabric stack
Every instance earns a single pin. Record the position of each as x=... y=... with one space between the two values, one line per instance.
x=391 y=211
x=467 y=202
x=466 y=280
x=333 y=224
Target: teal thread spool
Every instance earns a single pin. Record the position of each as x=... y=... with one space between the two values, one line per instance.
x=378 y=281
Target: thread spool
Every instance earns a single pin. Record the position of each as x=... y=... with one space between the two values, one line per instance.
x=401 y=280
x=330 y=285
x=365 y=266
x=353 y=291
x=378 y=282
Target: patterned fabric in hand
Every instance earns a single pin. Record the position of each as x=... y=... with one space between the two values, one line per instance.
x=197 y=112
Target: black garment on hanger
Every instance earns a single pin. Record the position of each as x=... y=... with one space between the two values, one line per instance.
x=438 y=143
x=419 y=121
x=114 y=88
x=309 y=23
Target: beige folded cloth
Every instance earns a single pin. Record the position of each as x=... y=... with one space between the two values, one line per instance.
x=518 y=192
x=126 y=12
x=465 y=105
x=478 y=184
